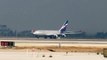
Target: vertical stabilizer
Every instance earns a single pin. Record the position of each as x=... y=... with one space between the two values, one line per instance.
x=64 y=26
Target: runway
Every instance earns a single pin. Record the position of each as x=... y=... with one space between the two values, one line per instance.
x=57 y=42
x=42 y=49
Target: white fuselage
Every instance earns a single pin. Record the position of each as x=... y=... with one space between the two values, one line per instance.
x=51 y=33
x=46 y=32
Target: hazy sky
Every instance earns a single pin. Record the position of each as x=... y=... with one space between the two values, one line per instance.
x=86 y=15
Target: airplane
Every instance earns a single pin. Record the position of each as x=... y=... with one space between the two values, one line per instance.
x=53 y=34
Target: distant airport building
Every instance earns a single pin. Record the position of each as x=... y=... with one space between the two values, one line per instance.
x=5 y=31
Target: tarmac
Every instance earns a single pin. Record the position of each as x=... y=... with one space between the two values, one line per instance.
x=57 y=42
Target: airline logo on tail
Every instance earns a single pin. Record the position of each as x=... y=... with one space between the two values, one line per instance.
x=64 y=26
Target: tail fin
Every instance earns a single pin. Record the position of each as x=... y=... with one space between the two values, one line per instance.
x=64 y=26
